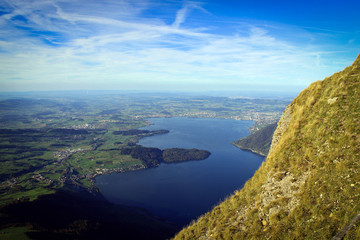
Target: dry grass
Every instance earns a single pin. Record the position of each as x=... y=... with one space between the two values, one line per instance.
x=318 y=145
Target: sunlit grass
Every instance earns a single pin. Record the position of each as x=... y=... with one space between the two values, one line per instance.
x=321 y=146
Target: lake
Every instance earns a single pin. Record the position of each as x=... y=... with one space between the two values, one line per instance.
x=181 y=192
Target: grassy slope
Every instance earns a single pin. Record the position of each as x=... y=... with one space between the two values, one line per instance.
x=259 y=141
x=309 y=185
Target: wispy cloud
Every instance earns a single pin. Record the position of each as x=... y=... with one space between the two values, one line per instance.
x=62 y=44
x=185 y=11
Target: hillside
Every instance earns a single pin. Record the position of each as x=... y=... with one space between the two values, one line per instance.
x=258 y=142
x=309 y=185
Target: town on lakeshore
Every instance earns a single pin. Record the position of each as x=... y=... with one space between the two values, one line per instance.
x=48 y=142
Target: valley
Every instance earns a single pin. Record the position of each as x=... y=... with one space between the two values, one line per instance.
x=49 y=141
x=53 y=143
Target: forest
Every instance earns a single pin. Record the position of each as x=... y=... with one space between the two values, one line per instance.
x=152 y=157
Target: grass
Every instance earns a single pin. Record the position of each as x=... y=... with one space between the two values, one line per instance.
x=87 y=162
x=14 y=233
x=31 y=193
x=321 y=146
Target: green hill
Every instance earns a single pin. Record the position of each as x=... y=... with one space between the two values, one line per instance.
x=258 y=142
x=309 y=185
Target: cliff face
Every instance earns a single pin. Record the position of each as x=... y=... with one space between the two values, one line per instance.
x=309 y=185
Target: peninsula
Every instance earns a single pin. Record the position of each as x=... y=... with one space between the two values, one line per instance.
x=52 y=146
x=259 y=141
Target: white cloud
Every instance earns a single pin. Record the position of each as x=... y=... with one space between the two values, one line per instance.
x=112 y=45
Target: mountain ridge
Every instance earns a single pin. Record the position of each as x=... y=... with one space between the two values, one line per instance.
x=309 y=185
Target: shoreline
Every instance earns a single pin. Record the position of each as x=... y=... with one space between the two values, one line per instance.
x=249 y=150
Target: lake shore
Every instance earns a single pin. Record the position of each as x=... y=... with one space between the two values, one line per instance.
x=153 y=188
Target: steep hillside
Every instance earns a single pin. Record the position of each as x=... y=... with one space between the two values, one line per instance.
x=258 y=142
x=309 y=185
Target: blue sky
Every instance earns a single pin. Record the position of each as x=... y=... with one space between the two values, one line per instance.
x=215 y=45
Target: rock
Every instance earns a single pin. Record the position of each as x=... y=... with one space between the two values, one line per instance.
x=332 y=100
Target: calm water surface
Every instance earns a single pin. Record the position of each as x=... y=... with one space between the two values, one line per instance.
x=183 y=191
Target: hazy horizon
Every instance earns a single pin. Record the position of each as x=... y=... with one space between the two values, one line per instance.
x=173 y=93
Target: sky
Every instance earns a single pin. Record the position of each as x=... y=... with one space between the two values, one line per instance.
x=171 y=45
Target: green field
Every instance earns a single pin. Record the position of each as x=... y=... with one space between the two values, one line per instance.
x=51 y=141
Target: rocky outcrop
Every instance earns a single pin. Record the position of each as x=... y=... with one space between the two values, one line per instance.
x=282 y=126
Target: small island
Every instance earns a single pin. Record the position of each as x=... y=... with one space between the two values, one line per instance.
x=152 y=157
x=174 y=155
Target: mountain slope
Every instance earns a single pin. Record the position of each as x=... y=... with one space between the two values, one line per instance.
x=309 y=185
x=258 y=142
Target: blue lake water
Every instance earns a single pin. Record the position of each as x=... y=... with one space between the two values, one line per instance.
x=183 y=191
